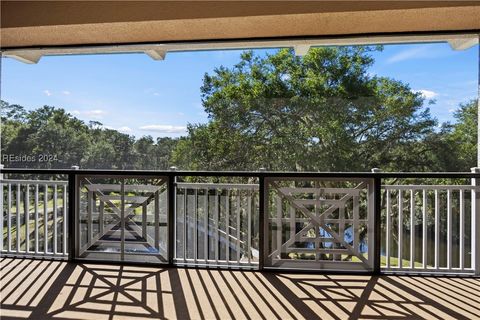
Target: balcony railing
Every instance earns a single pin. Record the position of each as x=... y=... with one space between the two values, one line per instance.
x=349 y=222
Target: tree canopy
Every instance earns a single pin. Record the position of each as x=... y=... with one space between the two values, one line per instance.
x=320 y=112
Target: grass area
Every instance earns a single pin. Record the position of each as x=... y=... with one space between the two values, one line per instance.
x=383 y=261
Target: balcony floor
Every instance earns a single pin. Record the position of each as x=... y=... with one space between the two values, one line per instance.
x=59 y=290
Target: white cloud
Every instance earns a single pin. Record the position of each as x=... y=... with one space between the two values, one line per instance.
x=124 y=129
x=94 y=114
x=97 y=113
x=451 y=110
x=162 y=128
x=151 y=91
x=426 y=93
x=47 y=93
x=421 y=51
x=406 y=54
x=66 y=92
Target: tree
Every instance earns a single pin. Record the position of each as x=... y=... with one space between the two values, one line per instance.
x=54 y=132
x=320 y=112
x=465 y=135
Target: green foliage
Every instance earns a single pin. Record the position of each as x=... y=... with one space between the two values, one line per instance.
x=465 y=134
x=53 y=131
x=322 y=112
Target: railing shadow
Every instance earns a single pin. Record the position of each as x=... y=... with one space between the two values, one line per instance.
x=35 y=289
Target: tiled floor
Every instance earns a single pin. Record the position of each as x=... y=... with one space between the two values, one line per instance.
x=59 y=290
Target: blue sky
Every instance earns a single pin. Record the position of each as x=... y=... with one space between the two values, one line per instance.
x=137 y=95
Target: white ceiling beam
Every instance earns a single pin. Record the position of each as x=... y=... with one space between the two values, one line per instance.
x=463 y=44
x=301 y=49
x=26 y=57
x=156 y=54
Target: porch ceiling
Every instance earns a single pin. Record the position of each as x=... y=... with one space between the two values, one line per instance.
x=57 y=23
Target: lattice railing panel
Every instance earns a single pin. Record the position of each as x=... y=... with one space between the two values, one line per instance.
x=319 y=223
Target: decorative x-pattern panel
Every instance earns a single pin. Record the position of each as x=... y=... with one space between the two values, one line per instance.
x=122 y=218
x=319 y=224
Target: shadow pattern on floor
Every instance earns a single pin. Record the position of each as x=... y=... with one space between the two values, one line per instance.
x=35 y=289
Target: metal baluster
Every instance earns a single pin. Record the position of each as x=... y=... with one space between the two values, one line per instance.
x=36 y=219
x=356 y=226
x=185 y=229
x=292 y=222
x=217 y=220
x=389 y=227
x=341 y=230
x=462 y=230
x=144 y=221
x=64 y=229
x=249 y=228
x=400 y=228
x=205 y=227
x=89 y=217
x=424 y=231
x=101 y=212
x=27 y=218
x=18 y=197
x=54 y=219
x=412 y=228
x=238 y=225
x=227 y=227
x=157 y=221
x=449 y=229
x=278 y=232
x=195 y=227
x=9 y=218
x=45 y=219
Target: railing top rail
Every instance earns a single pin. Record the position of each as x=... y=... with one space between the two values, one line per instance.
x=428 y=187
x=202 y=186
x=283 y=174
x=33 y=182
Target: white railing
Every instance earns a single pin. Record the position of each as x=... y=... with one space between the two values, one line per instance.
x=34 y=218
x=310 y=221
x=215 y=224
x=429 y=228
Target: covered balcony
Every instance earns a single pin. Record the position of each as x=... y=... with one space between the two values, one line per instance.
x=255 y=245
x=258 y=199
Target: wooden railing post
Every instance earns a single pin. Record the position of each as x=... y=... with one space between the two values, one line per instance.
x=377 y=214
x=476 y=222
